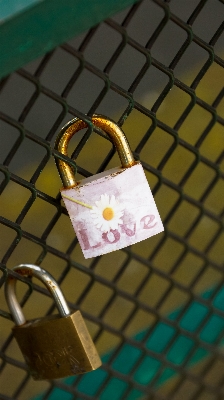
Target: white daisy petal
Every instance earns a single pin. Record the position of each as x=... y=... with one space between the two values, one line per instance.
x=113 y=225
x=102 y=200
x=105 y=200
x=107 y=213
x=112 y=201
x=104 y=227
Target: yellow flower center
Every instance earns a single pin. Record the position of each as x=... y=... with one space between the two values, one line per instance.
x=108 y=213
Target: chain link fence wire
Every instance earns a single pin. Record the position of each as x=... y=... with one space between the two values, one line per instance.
x=156 y=309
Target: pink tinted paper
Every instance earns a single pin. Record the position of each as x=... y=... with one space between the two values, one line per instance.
x=117 y=209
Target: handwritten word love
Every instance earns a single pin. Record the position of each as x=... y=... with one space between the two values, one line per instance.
x=114 y=236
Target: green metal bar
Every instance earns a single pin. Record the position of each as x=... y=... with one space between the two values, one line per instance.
x=33 y=27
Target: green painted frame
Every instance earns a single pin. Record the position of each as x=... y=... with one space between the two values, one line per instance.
x=33 y=27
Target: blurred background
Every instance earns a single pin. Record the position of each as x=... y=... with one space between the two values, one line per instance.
x=155 y=310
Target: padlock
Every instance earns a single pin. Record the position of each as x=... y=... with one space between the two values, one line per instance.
x=113 y=209
x=55 y=346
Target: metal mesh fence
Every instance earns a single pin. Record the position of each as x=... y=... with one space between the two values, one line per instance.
x=156 y=309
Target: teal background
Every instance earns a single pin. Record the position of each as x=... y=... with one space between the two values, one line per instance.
x=30 y=28
x=157 y=342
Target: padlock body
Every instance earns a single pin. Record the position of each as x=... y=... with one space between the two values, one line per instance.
x=132 y=218
x=55 y=346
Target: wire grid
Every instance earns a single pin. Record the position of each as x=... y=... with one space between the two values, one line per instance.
x=126 y=296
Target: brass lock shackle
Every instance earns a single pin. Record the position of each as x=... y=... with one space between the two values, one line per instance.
x=110 y=127
x=42 y=275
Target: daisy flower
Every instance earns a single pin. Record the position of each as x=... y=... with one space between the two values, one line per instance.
x=107 y=213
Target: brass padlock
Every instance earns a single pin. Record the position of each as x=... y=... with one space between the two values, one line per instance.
x=55 y=346
x=113 y=209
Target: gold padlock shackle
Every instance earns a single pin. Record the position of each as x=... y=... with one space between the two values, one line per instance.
x=42 y=275
x=110 y=127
